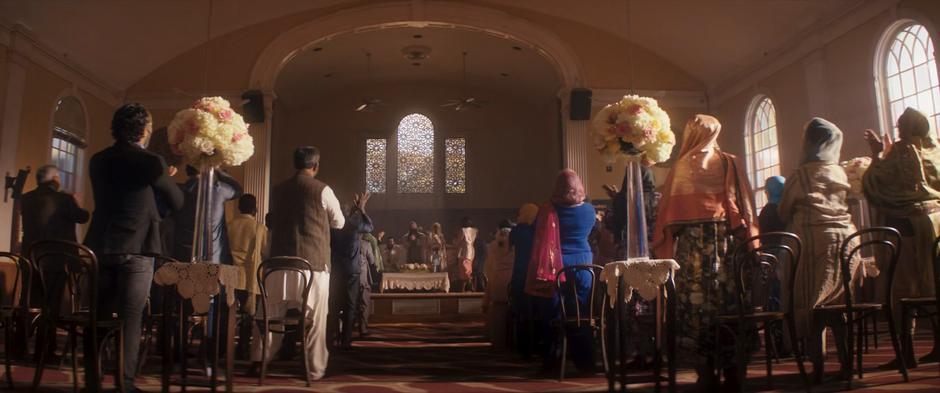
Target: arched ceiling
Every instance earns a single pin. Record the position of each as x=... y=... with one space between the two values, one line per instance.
x=712 y=40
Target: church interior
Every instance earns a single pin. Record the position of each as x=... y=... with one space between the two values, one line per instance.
x=470 y=195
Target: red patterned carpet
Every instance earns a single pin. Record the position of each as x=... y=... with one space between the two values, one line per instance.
x=452 y=357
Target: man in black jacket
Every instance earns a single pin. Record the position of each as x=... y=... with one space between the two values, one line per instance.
x=125 y=180
x=49 y=214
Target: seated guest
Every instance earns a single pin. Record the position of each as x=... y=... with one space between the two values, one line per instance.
x=466 y=253
x=498 y=271
x=347 y=271
x=303 y=210
x=49 y=214
x=247 y=241
x=520 y=239
x=226 y=189
x=814 y=206
x=124 y=180
x=903 y=183
x=561 y=240
x=393 y=256
x=437 y=247
x=415 y=243
x=706 y=206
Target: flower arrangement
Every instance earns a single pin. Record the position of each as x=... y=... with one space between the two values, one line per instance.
x=855 y=169
x=633 y=127
x=414 y=268
x=211 y=132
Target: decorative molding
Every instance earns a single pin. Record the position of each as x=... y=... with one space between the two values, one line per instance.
x=667 y=98
x=20 y=41
x=798 y=47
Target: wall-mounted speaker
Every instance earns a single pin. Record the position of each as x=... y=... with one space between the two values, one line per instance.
x=253 y=106
x=580 y=104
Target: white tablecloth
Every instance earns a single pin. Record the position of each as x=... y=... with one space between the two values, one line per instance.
x=199 y=281
x=438 y=282
x=644 y=275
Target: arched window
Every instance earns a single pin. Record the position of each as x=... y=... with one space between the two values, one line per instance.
x=375 y=165
x=68 y=141
x=415 y=154
x=760 y=141
x=907 y=74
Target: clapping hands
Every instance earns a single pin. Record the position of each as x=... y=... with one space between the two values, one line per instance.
x=360 y=200
x=876 y=143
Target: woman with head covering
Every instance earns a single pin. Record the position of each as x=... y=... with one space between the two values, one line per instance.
x=769 y=219
x=437 y=248
x=561 y=239
x=814 y=206
x=904 y=185
x=520 y=239
x=706 y=204
x=497 y=268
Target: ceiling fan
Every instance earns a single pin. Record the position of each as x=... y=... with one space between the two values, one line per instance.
x=466 y=101
x=369 y=104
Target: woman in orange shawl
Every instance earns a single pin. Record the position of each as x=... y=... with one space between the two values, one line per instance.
x=706 y=204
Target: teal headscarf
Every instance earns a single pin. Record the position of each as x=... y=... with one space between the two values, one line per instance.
x=774 y=187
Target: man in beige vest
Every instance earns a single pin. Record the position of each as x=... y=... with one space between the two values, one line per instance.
x=302 y=211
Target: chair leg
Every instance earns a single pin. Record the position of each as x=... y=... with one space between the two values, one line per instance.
x=264 y=354
x=864 y=326
x=41 y=365
x=564 y=355
x=602 y=334
x=8 y=350
x=119 y=374
x=303 y=341
x=73 y=342
x=892 y=331
x=874 y=328
x=849 y=355
x=768 y=348
x=858 y=347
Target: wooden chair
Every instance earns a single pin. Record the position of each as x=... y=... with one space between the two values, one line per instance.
x=856 y=313
x=18 y=310
x=152 y=317
x=81 y=273
x=590 y=316
x=926 y=307
x=289 y=265
x=764 y=255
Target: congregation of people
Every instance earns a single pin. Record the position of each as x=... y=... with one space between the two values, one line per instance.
x=702 y=211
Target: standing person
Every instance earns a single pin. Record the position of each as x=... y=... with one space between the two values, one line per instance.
x=815 y=208
x=248 y=241
x=226 y=189
x=438 y=248
x=415 y=243
x=498 y=272
x=561 y=240
x=465 y=254
x=478 y=282
x=49 y=214
x=367 y=264
x=769 y=220
x=347 y=271
x=520 y=239
x=903 y=183
x=706 y=207
x=393 y=256
x=303 y=210
x=376 y=267
x=125 y=179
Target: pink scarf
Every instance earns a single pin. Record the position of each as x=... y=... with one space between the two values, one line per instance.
x=546 y=260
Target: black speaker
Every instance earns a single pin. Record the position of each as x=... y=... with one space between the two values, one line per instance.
x=581 y=104
x=253 y=106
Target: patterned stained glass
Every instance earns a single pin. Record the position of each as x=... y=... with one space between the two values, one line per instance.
x=415 y=154
x=455 y=168
x=910 y=75
x=375 y=165
x=763 y=154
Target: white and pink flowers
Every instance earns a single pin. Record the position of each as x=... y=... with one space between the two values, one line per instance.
x=855 y=169
x=211 y=132
x=633 y=127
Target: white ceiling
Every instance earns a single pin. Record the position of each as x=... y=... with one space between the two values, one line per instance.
x=122 y=41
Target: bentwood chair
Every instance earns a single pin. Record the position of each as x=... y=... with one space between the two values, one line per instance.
x=286 y=265
x=855 y=314
x=922 y=307
x=18 y=310
x=761 y=256
x=81 y=274
x=576 y=313
x=153 y=317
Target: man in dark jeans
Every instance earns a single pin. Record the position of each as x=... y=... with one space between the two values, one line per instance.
x=125 y=180
x=345 y=279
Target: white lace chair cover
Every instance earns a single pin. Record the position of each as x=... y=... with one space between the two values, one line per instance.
x=199 y=282
x=416 y=282
x=644 y=275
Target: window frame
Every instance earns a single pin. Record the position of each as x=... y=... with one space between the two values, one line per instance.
x=433 y=189
x=72 y=180
x=887 y=119
x=751 y=152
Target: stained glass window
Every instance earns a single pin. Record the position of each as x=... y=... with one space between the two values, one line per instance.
x=415 y=154
x=375 y=165
x=763 y=155
x=455 y=168
x=910 y=75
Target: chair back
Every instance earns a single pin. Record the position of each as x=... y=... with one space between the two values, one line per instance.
x=295 y=265
x=80 y=267
x=885 y=238
x=570 y=289
x=765 y=255
x=22 y=279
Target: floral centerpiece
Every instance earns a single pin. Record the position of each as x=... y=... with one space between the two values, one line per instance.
x=633 y=127
x=414 y=268
x=211 y=132
x=855 y=169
